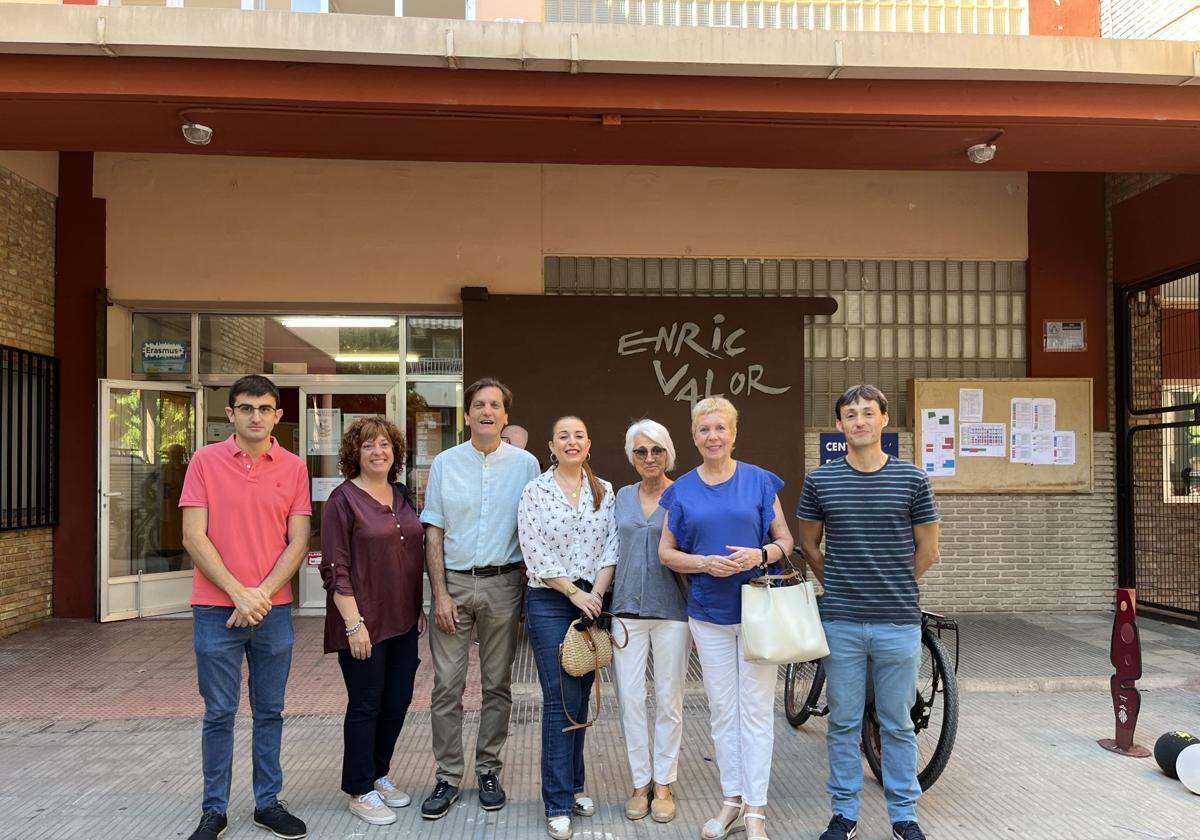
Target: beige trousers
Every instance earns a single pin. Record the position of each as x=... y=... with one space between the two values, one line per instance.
x=491 y=606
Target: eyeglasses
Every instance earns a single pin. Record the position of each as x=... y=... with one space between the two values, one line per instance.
x=245 y=409
x=641 y=452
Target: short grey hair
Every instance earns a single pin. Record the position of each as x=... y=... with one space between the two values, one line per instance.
x=657 y=433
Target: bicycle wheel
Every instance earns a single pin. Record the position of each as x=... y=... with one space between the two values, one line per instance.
x=802 y=686
x=934 y=714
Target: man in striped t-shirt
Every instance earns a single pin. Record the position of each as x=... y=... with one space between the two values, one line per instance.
x=880 y=524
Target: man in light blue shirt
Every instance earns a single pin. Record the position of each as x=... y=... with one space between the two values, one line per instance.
x=474 y=563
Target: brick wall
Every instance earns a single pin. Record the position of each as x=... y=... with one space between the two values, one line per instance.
x=26 y=321
x=1023 y=553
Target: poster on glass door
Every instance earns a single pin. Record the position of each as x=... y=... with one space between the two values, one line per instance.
x=324 y=430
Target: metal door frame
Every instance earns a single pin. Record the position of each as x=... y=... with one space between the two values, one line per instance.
x=104 y=492
x=1125 y=297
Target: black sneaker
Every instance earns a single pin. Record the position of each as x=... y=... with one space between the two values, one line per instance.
x=276 y=819
x=211 y=827
x=438 y=803
x=907 y=830
x=840 y=828
x=491 y=795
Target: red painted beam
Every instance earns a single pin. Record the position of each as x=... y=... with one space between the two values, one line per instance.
x=1154 y=232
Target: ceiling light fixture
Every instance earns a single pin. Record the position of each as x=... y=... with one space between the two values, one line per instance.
x=328 y=321
x=981 y=152
x=367 y=358
x=197 y=134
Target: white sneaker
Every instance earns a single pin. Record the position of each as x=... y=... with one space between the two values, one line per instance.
x=559 y=828
x=391 y=795
x=370 y=809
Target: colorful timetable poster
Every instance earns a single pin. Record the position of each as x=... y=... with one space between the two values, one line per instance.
x=938 y=454
x=983 y=440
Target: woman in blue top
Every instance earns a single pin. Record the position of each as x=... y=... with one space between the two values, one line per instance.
x=723 y=521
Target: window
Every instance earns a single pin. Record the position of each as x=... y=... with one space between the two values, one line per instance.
x=162 y=345
x=300 y=344
x=28 y=440
x=1181 y=445
x=434 y=346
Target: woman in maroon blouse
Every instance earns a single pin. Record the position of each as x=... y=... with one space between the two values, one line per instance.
x=372 y=560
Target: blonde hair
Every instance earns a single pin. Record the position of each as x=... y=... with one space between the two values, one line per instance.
x=715 y=405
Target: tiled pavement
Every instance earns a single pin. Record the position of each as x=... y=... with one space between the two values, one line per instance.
x=99 y=738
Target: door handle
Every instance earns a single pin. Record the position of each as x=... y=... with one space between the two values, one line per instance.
x=110 y=495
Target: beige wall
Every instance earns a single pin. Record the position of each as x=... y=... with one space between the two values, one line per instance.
x=525 y=10
x=40 y=168
x=225 y=229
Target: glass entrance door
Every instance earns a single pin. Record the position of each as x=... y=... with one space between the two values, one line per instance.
x=326 y=411
x=148 y=434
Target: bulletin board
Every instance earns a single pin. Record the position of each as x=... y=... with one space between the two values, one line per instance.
x=1015 y=436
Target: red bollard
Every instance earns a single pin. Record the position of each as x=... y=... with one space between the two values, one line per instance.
x=1125 y=653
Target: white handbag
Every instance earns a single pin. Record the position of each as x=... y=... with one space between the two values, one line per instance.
x=780 y=620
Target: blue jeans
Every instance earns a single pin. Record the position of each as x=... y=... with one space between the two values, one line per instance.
x=267 y=648
x=548 y=614
x=893 y=654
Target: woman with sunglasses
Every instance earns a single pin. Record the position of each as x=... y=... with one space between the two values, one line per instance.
x=652 y=602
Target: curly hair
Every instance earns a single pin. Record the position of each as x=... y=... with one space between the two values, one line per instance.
x=362 y=430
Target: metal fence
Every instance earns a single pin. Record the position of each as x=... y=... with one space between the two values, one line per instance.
x=1158 y=490
x=974 y=17
x=28 y=439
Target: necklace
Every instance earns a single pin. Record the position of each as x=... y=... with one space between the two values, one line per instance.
x=574 y=494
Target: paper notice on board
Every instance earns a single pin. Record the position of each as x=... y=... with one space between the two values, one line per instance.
x=937 y=441
x=970 y=405
x=1020 y=450
x=1043 y=448
x=1064 y=448
x=982 y=440
x=1021 y=416
x=322 y=487
x=1044 y=410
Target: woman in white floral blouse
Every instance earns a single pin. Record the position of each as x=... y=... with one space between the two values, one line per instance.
x=568 y=533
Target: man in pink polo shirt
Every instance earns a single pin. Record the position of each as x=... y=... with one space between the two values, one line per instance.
x=246 y=516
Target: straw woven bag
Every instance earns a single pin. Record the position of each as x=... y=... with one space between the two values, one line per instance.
x=586 y=648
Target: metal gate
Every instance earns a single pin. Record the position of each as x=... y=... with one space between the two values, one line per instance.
x=1158 y=459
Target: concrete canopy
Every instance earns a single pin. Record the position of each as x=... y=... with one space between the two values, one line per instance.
x=76 y=78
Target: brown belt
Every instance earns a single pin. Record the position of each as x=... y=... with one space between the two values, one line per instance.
x=487 y=571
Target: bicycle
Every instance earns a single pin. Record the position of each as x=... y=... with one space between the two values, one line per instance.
x=934 y=714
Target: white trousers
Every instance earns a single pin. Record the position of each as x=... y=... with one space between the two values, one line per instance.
x=671 y=643
x=741 y=702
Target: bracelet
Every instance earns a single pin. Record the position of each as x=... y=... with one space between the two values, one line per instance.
x=763 y=549
x=350 y=631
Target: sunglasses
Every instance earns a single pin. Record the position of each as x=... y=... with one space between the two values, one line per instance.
x=641 y=452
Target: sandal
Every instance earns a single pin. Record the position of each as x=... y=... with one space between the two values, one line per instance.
x=754 y=815
x=559 y=828
x=714 y=829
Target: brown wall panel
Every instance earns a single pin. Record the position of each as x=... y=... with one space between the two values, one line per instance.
x=613 y=360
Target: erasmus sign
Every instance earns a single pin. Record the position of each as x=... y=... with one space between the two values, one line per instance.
x=613 y=360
